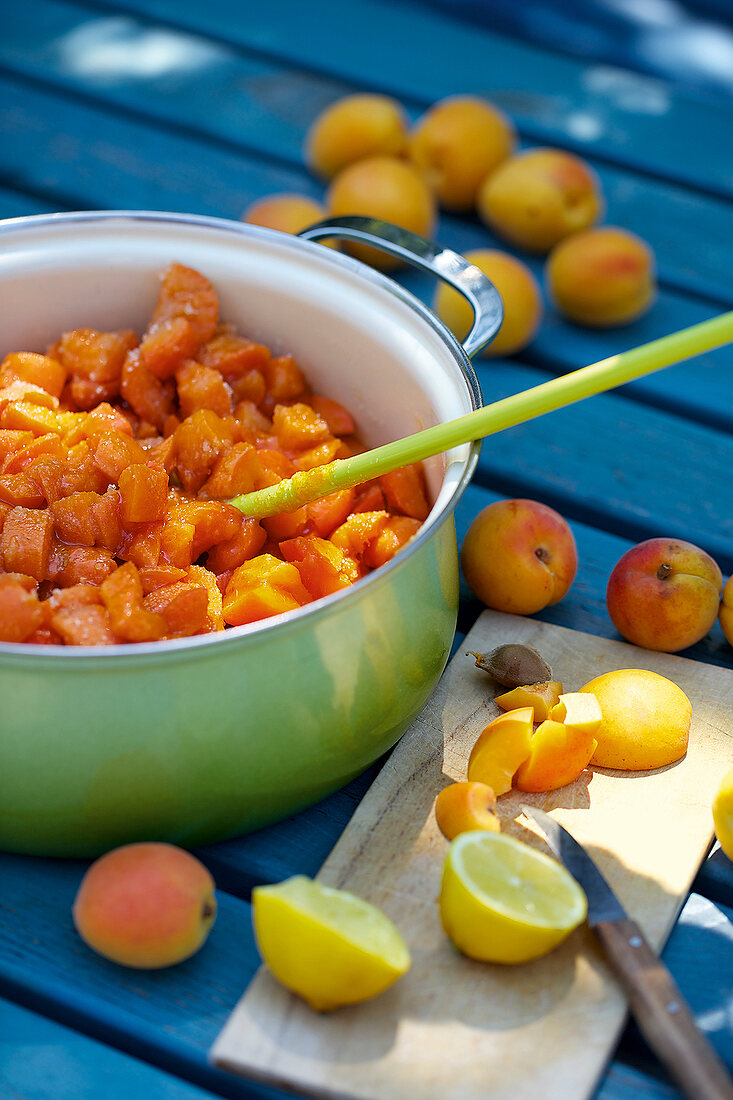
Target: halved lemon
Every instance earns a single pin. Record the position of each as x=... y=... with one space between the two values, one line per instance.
x=503 y=901
x=723 y=813
x=329 y=946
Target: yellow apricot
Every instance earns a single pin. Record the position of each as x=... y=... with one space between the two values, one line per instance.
x=537 y=197
x=500 y=749
x=602 y=277
x=579 y=709
x=287 y=212
x=645 y=723
x=725 y=614
x=456 y=144
x=557 y=755
x=541 y=697
x=353 y=128
x=461 y=807
x=388 y=189
x=520 y=292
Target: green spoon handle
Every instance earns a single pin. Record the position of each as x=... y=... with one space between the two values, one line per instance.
x=309 y=485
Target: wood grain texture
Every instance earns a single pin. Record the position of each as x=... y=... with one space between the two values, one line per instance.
x=458 y=1029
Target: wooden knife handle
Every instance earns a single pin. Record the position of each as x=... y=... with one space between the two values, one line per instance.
x=662 y=1014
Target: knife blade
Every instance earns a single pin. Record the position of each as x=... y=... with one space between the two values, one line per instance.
x=660 y=1010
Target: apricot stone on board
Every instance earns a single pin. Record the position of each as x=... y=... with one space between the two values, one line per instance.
x=541 y=697
x=461 y=807
x=145 y=905
x=500 y=749
x=519 y=556
x=664 y=594
x=645 y=720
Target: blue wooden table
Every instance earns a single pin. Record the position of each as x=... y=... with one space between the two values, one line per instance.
x=182 y=106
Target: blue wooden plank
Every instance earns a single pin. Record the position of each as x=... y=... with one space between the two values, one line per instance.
x=135 y=165
x=555 y=99
x=43 y=1060
x=172 y=77
x=168 y=1018
x=14 y=204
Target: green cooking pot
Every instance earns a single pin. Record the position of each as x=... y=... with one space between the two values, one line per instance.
x=202 y=738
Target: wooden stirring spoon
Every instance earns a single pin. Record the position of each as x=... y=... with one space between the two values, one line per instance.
x=308 y=485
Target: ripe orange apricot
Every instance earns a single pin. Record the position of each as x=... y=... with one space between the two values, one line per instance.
x=557 y=755
x=537 y=197
x=520 y=292
x=386 y=188
x=456 y=144
x=500 y=749
x=602 y=277
x=541 y=697
x=145 y=905
x=353 y=128
x=461 y=807
x=287 y=212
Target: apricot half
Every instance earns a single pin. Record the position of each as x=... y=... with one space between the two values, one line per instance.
x=500 y=749
x=541 y=697
x=461 y=807
x=645 y=723
x=145 y=905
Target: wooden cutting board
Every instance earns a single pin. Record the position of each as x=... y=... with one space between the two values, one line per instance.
x=454 y=1029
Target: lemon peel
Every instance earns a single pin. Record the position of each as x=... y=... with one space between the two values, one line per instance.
x=723 y=813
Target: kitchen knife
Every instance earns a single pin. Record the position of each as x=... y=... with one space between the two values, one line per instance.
x=659 y=1008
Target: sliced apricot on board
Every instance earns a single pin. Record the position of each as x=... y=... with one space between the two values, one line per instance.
x=557 y=755
x=541 y=697
x=579 y=709
x=500 y=750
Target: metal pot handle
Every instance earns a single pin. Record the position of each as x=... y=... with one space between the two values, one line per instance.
x=466 y=278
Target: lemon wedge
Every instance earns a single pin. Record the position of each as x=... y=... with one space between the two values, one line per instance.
x=503 y=901
x=328 y=946
x=723 y=813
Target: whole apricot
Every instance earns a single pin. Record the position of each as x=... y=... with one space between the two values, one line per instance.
x=519 y=556
x=287 y=212
x=353 y=128
x=664 y=594
x=456 y=144
x=520 y=293
x=384 y=188
x=645 y=721
x=602 y=277
x=145 y=905
x=537 y=197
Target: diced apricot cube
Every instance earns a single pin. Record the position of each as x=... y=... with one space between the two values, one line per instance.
x=20 y=611
x=249 y=387
x=338 y=419
x=84 y=625
x=263 y=587
x=72 y=565
x=144 y=493
x=318 y=455
x=245 y=544
x=152 y=399
x=329 y=512
x=298 y=427
x=184 y=317
x=25 y=542
x=201 y=387
x=122 y=593
x=322 y=566
x=370 y=498
x=12 y=441
x=199 y=441
x=358 y=532
x=197 y=574
x=29 y=366
x=27 y=416
x=21 y=489
x=233 y=355
x=183 y=606
x=115 y=451
x=396 y=533
x=235 y=471
x=284 y=380
x=405 y=491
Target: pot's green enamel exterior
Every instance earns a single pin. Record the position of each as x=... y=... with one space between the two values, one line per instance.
x=196 y=744
x=197 y=739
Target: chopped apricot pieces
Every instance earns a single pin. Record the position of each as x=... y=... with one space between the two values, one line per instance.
x=144 y=493
x=119 y=456
x=262 y=587
x=20 y=611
